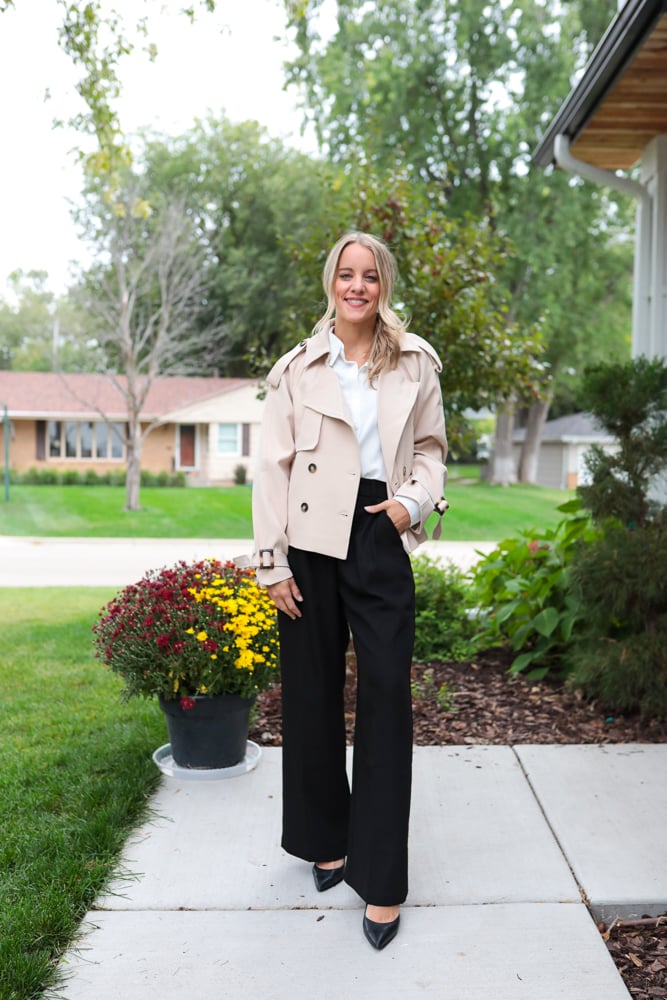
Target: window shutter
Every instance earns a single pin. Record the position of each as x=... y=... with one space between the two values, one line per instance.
x=40 y=440
x=245 y=439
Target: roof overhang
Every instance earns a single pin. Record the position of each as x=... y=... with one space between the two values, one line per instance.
x=620 y=102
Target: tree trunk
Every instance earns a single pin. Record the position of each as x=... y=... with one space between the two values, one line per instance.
x=503 y=472
x=133 y=473
x=537 y=414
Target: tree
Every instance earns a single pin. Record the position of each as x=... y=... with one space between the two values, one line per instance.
x=457 y=92
x=448 y=286
x=143 y=296
x=39 y=331
x=249 y=195
x=97 y=42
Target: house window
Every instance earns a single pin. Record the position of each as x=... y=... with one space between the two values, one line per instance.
x=86 y=439
x=229 y=439
x=55 y=443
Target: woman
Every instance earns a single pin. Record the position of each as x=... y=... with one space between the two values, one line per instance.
x=351 y=465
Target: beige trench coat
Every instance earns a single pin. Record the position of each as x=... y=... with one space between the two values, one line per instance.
x=308 y=470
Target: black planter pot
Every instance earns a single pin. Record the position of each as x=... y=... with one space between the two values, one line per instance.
x=211 y=734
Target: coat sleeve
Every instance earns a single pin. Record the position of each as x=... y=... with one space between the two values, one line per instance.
x=426 y=484
x=271 y=482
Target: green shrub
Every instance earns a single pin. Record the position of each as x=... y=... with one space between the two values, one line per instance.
x=621 y=654
x=71 y=477
x=178 y=479
x=443 y=622
x=523 y=592
x=240 y=475
x=90 y=478
x=621 y=658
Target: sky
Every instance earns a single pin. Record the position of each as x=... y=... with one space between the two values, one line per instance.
x=230 y=60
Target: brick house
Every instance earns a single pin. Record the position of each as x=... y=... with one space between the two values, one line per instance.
x=204 y=427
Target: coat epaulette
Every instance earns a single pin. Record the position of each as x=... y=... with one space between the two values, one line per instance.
x=276 y=373
x=420 y=343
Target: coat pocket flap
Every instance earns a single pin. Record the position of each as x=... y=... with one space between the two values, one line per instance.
x=307 y=432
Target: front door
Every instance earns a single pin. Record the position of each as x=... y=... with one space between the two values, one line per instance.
x=186 y=446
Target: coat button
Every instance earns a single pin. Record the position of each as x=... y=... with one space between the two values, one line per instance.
x=312 y=467
x=304 y=507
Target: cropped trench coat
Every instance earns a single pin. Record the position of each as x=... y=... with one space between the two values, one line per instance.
x=308 y=469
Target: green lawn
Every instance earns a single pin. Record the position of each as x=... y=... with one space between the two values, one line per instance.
x=75 y=774
x=478 y=511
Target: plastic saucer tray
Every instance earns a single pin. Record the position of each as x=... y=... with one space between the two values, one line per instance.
x=165 y=762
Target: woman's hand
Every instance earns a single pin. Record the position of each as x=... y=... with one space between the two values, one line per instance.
x=396 y=511
x=284 y=595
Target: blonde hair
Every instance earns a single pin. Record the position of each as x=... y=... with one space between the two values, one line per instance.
x=389 y=328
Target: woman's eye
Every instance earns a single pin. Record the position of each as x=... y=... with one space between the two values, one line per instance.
x=371 y=277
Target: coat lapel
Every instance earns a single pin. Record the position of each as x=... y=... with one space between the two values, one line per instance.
x=323 y=393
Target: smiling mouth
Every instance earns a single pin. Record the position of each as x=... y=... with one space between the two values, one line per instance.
x=356 y=302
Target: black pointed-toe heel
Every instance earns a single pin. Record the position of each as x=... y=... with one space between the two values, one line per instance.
x=327 y=878
x=379 y=935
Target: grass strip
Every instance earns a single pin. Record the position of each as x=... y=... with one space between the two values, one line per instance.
x=479 y=512
x=75 y=776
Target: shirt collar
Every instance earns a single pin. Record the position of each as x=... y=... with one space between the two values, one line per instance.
x=336 y=347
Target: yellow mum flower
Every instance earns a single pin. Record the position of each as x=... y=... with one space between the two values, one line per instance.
x=202 y=636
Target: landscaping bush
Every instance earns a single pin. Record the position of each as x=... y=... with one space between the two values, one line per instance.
x=621 y=655
x=161 y=479
x=443 y=622
x=524 y=596
x=71 y=477
x=240 y=475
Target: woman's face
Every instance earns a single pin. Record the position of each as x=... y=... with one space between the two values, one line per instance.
x=357 y=286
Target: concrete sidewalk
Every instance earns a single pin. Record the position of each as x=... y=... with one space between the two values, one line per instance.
x=506 y=842
x=116 y=562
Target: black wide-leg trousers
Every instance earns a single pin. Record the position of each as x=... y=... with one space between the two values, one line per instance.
x=371 y=595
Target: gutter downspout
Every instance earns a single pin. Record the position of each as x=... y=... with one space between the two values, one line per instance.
x=641 y=307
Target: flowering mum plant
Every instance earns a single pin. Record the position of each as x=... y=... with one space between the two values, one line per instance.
x=195 y=628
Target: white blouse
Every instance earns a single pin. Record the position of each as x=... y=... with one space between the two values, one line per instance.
x=361 y=401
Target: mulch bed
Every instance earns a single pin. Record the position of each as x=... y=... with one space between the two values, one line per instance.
x=477 y=702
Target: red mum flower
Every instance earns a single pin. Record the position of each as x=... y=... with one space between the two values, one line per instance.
x=187 y=703
x=163 y=641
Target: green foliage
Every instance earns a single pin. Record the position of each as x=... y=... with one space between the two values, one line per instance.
x=523 y=592
x=248 y=194
x=379 y=91
x=40 y=332
x=89 y=477
x=424 y=688
x=448 y=285
x=619 y=579
x=622 y=656
x=76 y=778
x=443 y=625
x=630 y=401
x=240 y=475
